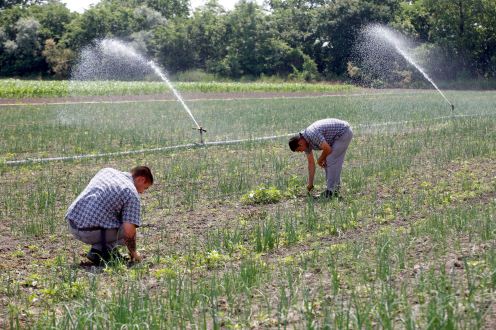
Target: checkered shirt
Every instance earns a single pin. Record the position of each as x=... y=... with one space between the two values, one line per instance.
x=324 y=130
x=109 y=200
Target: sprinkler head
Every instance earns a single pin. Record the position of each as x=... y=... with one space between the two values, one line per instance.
x=201 y=130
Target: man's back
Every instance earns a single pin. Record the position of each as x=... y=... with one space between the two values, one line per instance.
x=324 y=130
x=109 y=199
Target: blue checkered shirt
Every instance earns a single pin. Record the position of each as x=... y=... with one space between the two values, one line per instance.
x=109 y=200
x=324 y=130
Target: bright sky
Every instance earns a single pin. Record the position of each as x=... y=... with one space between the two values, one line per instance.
x=81 y=5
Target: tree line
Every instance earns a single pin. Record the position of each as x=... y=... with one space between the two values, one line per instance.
x=288 y=39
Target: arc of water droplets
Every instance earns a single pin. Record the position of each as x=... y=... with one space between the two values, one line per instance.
x=398 y=42
x=117 y=49
x=426 y=76
x=176 y=94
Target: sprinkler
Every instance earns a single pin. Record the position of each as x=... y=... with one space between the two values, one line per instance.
x=201 y=130
x=379 y=38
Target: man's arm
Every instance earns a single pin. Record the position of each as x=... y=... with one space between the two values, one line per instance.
x=311 y=170
x=129 y=233
x=326 y=151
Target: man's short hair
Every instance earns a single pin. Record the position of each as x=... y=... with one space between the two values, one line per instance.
x=143 y=171
x=293 y=142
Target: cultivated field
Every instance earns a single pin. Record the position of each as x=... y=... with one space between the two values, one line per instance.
x=231 y=240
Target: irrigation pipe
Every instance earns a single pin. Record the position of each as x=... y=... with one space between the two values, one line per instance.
x=217 y=143
x=140 y=151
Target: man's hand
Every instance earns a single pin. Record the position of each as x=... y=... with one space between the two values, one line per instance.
x=309 y=187
x=129 y=233
x=322 y=162
x=326 y=151
x=135 y=257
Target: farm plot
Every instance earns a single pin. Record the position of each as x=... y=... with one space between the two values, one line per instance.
x=62 y=130
x=410 y=245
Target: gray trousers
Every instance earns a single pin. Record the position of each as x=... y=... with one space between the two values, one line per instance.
x=334 y=162
x=113 y=237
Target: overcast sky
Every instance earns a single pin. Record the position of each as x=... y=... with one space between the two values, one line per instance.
x=81 y=5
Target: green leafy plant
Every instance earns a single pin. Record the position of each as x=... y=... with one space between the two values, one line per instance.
x=262 y=195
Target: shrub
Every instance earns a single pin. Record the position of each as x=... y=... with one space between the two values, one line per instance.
x=195 y=76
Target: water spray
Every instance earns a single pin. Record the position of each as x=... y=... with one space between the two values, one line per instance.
x=378 y=42
x=179 y=98
x=110 y=58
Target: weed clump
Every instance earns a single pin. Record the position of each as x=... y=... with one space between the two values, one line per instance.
x=262 y=195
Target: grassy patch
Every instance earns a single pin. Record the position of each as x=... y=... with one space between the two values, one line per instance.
x=409 y=245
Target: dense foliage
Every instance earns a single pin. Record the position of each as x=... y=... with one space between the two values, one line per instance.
x=290 y=39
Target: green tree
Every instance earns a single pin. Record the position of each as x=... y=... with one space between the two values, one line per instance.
x=58 y=58
x=23 y=54
x=170 y=8
x=9 y=18
x=208 y=35
x=253 y=45
x=485 y=31
x=296 y=23
x=172 y=47
x=245 y=35
x=147 y=18
x=53 y=16
x=108 y=18
x=413 y=19
x=339 y=23
x=465 y=30
x=12 y=3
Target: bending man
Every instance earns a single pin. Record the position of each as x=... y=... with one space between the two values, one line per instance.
x=332 y=136
x=107 y=212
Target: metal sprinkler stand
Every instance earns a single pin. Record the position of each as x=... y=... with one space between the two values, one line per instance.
x=201 y=129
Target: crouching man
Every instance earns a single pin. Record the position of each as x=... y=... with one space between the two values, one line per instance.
x=332 y=136
x=107 y=212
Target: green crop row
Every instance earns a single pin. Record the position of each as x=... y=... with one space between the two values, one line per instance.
x=73 y=129
x=13 y=88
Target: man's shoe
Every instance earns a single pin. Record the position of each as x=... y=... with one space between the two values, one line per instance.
x=97 y=257
x=102 y=257
x=326 y=194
